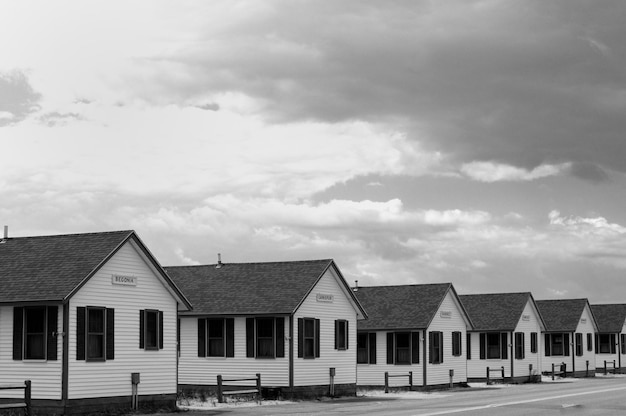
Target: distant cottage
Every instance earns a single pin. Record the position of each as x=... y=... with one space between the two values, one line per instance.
x=610 y=342
x=79 y=314
x=294 y=323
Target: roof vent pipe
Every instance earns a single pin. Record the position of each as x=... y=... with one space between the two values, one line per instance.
x=219 y=261
x=6 y=232
x=356 y=285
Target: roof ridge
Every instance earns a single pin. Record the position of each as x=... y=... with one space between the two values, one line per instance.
x=408 y=285
x=70 y=234
x=496 y=293
x=252 y=262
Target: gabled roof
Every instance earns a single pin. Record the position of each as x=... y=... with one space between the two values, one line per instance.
x=252 y=288
x=562 y=314
x=401 y=307
x=610 y=317
x=496 y=311
x=52 y=268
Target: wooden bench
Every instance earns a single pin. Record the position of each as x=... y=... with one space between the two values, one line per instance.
x=494 y=370
x=225 y=389
x=388 y=376
x=25 y=404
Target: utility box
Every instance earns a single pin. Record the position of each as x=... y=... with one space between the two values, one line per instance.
x=134 y=378
x=332 y=371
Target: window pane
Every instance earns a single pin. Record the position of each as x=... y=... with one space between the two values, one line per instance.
x=152 y=329
x=309 y=328
x=265 y=337
x=96 y=320
x=403 y=351
x=605 y=344
x=95 y=346
x=309 y=347
x=215 y=333
x=361 y=349
x=265 y=327
x=35 y=329
x=95 y=333
x=493 y=345
x=557 y=344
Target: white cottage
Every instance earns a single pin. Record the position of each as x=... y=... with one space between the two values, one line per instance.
x=79 y=314
x=294 y=323
x=419 y=329
x=506 y=335
x=569 y=336
x=610 y=343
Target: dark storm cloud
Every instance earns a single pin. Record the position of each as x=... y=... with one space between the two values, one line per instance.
x=520 y=83
x=17 y=97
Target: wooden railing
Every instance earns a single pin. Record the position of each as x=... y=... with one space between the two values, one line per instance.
x=613 y=366
x=562 y=370
x=224 y=388
x=494 y=370
x=388 y=376
x=25 y=404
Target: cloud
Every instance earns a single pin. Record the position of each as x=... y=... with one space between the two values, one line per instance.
x=17 y=97
x=496 y=172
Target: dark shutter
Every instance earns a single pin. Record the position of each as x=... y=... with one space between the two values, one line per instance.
x=249 y=337
x=548 y=345
x=504 y=350
x=300 y=337
x=613 y=342
x=201 y=337
x=110 y=335
x=566 y=345
x=415 y=347
x=483 y=345
x=623 y=343
x=230 y=337
x=18 y=332
x=468 y=346
x=372 y=345
x=142 y=317
x=317 y=338
x=389 y=347
x=280 y=337
x=160 y=330
x=430 y=347
x=336 y=334
x=440 y=346
x=347 y=335
x=80 y=332
x=53 y=328
x=597 y=341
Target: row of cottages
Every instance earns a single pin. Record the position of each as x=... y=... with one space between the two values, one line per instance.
x=610 y=341
x=83 y=316
x=412 y=329
x=505 y=340
x=295 y=323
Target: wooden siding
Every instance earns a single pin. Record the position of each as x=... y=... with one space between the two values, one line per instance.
x=45 y=375
x=113 y=377
x=310 y=372
x=578 y=364
x=477 y=368
x=194 y=370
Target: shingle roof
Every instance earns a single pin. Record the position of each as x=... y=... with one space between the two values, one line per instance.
x=610 y=318
x=400 y=307
x=50 y=267
x=495 y=311
x=561 y=314
x=248 y=288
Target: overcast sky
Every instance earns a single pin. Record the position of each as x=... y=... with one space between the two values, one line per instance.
x=481 y=143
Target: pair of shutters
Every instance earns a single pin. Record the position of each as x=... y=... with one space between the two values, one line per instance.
x=548 y=345
x=51 y=332
x=612 y=342
x=81 y=333
x=391 y=336
x=142 y=328
x=504 y=354
x=230 y=337
x=301 y=337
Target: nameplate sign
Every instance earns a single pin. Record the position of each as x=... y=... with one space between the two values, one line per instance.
x=117 y=279
x=583 y=320
x=525 y=317
x=446 y=314
x=323 y=297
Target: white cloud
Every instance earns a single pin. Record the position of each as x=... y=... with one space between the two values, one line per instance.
x=497 y=172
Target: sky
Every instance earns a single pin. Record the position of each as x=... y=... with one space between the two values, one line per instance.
x=475 y=142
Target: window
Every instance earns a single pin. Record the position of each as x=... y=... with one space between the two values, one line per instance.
x=403 y=348
x=35 y=333
x=341 y=334
x=95 y=333
x=216 y=337
x=366 y=348
x=456 y=343
x=265 y=337
x=308 y=338
x=493 y=345
x=589 y=342
x=557 y=344
x=606 y=343
x=468 y=347
x=533 y=342
x=435 y=340
x=150 y=329
x=520 y=352
x=579 y=344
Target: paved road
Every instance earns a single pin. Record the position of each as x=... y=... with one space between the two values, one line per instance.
x=600 y=396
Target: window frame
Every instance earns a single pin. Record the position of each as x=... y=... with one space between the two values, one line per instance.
x=436 y=343
x=341 y=334
x=520 y=347
x=366 y=347
x=213 y=324
x=89 y=333
x=404 y=350
x=491 y=347
x=578 y=344
x=457 y=340
x=40 y=334
x=258 y=322
x=589 y=341
x=533 y=342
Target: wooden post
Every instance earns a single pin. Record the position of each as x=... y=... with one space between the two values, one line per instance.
x=386 y=382
x=614 y=372
x=220 y=396
x=530 y=372
x=503 y=374
x=410 y=380
x=258 y=386
x=27 y=395
x=552 y=371
x=487 y=375
x=563 y=370
x=587 y=369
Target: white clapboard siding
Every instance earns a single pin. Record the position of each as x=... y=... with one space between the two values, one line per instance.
x=451 y=320
x=309 y=372
x=194 y=370
x=45 y=375
x=374 y=374
x=528 y=323
x=113 y=377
